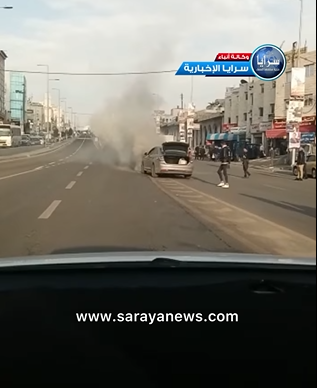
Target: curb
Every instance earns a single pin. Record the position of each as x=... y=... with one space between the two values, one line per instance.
x=34 y=154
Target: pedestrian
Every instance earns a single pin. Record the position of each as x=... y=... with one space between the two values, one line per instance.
x=245 y=163
x=196 y=152
x=224 y=158
x=300 y=163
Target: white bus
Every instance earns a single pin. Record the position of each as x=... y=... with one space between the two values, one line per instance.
x=10 y=135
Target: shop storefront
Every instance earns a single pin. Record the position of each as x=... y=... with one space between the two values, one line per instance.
x=236 y=140
x=258 y=132
x=277 y=136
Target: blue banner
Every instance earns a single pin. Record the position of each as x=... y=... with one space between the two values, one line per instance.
x=216 y=69
x=308 y=137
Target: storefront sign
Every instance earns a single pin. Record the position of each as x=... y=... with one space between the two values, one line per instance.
x=308 y=124
x=260 y=128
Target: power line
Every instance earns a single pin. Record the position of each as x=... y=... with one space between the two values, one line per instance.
x=92 y=74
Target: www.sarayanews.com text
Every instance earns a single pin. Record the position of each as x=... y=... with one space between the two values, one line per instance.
x=151 y=318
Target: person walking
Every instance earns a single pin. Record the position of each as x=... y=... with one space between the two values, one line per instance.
x=245 y=163
x=224 y=158
x=300 y=163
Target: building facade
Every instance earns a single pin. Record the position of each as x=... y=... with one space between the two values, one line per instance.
x=35 y=115
x=3 y=58
x=282 y=97
x=18 y=98
x=250 y=108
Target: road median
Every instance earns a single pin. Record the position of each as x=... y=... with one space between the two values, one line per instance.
x=39 y=152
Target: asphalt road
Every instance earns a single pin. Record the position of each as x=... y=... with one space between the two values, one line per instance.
x=71 y=200
x=274 y=196
x=19 y=150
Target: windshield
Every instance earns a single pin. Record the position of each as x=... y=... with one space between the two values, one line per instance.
x=162 y=126
x=5 y=132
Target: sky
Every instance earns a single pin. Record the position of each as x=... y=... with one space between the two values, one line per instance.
x=140 y=35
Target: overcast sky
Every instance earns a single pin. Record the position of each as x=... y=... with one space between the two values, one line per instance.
x=137 y=35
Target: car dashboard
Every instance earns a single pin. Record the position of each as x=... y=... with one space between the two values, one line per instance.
x=272 y=343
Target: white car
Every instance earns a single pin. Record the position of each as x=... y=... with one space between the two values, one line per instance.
x=171 y=158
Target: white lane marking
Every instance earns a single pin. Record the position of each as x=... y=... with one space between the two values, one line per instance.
x=80 y=173
x=275 y=187
x=180 y=191
x=70 y=185
x=90 y=163
x=18 y=174
x=35 y=169
x=52 y=163
x=85 y=168
x=50 y=210
x=61 y=160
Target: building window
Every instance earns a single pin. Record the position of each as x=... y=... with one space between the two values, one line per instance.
x=245 y=117
x=252 y=99
x=237 y=119
x=309 y=70
x=229 y=120
x=309 y=100
x=272 y=108
x=230 y=102
x=262 y=88
x=288 y=77
x=273 y=84
x=246 y=96
x=261 y=112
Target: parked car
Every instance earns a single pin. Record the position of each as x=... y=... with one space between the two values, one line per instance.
x=171 y=158
x=310 y=166
x=26 y=140
x=36 y=140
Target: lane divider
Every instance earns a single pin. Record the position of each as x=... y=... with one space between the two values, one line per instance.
x=70 y=185
x=50 y=210
x=36 y=168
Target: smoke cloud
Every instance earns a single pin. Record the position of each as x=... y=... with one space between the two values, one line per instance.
x=126 y=126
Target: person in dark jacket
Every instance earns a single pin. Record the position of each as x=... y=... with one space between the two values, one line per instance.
x=224 y=157
x=301 y=160
x=245 y=163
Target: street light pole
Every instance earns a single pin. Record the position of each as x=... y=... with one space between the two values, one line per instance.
x=59 y=106
x=65 y=110
x=47 y=95
x=300 y=28
x=71 y=116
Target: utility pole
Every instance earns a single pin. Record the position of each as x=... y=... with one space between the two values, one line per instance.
x=59 y=106
x=300 y=32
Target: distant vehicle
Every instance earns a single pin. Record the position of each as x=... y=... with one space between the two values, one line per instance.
x=310 y=166
x=10 y=135
x=171 y=158
x=36 y=140
x=26 y=140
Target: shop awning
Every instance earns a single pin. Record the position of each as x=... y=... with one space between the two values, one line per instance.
x=276 y=133
x=222 y=136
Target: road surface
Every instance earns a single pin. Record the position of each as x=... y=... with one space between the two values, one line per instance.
x=70 y=200
x=19 y=150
